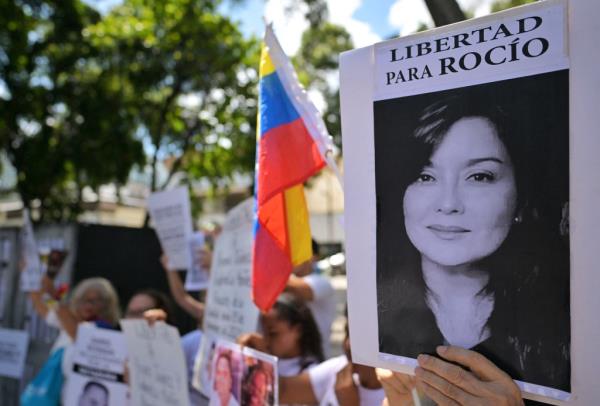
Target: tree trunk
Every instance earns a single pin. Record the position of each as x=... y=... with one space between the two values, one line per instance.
x=444 y=12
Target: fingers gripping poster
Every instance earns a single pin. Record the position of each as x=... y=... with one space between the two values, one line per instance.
x=460 y=204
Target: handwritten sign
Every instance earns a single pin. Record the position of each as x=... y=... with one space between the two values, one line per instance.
x=170 y=212
x=13 y=350
x=156 y=364
x=197 y=277
x=31 y=276
x=229 y=307
x=98 y=367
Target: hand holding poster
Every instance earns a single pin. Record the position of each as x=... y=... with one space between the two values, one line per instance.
x=98 y=368
x=170 y=212
x=13 y=351
x=156 y=364
x=457 y=181
x=31 y=275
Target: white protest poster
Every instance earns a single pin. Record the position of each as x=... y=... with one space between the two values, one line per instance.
x=156 y=364
x=98 y=368
x=196 y=277
x=170 y=212
x=31 y=276
x=456 y=147
x=230 y=311
x=13 y=351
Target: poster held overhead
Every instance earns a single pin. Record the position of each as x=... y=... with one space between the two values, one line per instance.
x=457 y=190
x=197 y=276
x=170 y=212
x=31 y=276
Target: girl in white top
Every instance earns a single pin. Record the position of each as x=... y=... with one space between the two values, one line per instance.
x=334 y=382
x=290 y=333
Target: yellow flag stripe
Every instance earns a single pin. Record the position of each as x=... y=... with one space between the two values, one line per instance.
x=298 y=225
x=266 y=64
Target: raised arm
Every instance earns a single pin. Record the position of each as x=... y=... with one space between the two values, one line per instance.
x=193 y=307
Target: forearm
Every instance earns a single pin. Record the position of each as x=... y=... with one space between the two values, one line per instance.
x=39 y=305
x=298 y=287
x=67 y=320
x=192 y=306
x=296 y=390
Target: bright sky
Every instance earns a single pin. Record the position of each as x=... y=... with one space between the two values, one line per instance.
x=368 y=21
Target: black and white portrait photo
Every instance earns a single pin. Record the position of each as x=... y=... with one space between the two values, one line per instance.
x=94 y=394
x=472 y=224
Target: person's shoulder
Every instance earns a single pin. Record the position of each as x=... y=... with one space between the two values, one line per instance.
x=317 y=282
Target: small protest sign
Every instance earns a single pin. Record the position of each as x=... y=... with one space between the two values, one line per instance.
x=13 y=351
x=170 y=212
x=197 y=276
x=31 y=276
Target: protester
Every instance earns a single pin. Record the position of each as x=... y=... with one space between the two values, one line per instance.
x=316 y=290
x=151 y=304
x=93 y=299
x=290 y=333
x=332 y=383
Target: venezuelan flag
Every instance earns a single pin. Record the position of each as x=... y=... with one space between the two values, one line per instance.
x=287 y=154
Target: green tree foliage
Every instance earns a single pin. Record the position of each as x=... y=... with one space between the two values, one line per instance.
x=81 y=93
x=191 y=79
x=317 y=61
x=61 y=118
x=500 y=5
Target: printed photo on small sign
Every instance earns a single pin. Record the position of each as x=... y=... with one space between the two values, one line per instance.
x=197 y=276
x=98 y=368
x=171 y=215
x=13 y=351
x=260 y=385
x=242 y=376
x=227 y=367
x=156 y=364
x=462 y=204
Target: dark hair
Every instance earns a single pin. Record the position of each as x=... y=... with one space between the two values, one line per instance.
x=248 y=383
x=527 y=272
x=294 y=311
x=161 y=301
x=102 y=387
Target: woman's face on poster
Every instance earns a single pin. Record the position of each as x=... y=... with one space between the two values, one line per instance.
x=461 y=207
x=259 y=389
x=223 y=379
